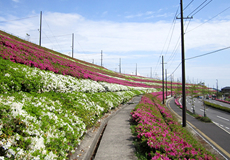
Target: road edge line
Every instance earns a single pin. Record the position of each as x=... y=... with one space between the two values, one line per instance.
x=204 y=135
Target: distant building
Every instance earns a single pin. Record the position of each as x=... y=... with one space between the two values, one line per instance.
x=226 y=91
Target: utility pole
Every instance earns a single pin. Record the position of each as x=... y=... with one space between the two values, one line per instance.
x=40 y=30
x=72 y=43
x=216 y=88
x=101 y=57
x=163 y=97
x=183 y=64
x=136 y=69
x=166 y=81
x=171 y=85
x=120 y=66
x=151 y=72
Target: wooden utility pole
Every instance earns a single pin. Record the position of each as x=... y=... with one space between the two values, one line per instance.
x=171 y=85
x=163 y=97
x=166 y=81
x=40 y=30
x=183 y=64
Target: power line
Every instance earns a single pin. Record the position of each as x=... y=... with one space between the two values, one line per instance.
x=209 y=19
x=171 y=33
x=202 y=7
x=47 y=37
x=201 y=56
x=188 y=5
x=197 y=8
x=18 y=19
x=208 y=53
x=172 y=26
x=176 y=68
x=173 y=55
x=53 y=35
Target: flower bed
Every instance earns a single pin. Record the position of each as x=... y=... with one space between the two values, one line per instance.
x=17 y=77
x=161 y=135
x=223 y=101
x=177 y=102
x=38 y=57
x=44 y=115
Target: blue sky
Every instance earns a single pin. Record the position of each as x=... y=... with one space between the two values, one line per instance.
x=136 y=31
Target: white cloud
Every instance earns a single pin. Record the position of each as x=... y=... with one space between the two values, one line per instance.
x=15 y=1
x=113 y=37
x=116 y=37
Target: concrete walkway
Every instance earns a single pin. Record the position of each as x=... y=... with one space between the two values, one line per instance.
x=116 y=142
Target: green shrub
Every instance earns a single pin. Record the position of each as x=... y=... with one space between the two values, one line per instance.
x=217 y=106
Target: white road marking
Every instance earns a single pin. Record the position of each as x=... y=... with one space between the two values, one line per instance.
x=223 y=118
x=226 y=127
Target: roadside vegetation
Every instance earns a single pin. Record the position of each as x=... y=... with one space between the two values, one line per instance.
x=226 y=109
x=158 y=135
x=48 y=101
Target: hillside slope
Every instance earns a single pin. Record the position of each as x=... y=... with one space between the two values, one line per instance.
x=48 y=100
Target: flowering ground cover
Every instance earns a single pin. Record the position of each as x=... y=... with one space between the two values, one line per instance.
x=160 y=136
x=34 y=56
x=45 y=115
x=48 y=100
x=223 y=101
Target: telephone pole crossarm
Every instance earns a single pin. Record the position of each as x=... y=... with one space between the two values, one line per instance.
x=184 y=17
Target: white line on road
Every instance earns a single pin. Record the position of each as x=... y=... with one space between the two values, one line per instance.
x=223 y=118
x=226 y=127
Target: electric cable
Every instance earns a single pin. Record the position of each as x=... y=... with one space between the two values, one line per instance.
x=47 y=38
x=18 y=19
x=172 y=26
x=188 y=5
x=53 y=35
x=197 y=8
x=171 y=34
x=209 y=19
x=201 y=56
x=202 y=8
x=208 y=53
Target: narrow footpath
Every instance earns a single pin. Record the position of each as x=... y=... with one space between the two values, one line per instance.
x=211 y=132
x=116 y=142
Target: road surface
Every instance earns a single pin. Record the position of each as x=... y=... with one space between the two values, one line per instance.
x=219 y=117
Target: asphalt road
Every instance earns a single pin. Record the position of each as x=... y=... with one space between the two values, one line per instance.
x=221 y=118
x=214 y=134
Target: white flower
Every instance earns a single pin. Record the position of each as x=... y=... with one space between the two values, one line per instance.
x=37 y=143
x=12 y=152
x=7 y=75
x=17 y=109
x=50 y=156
